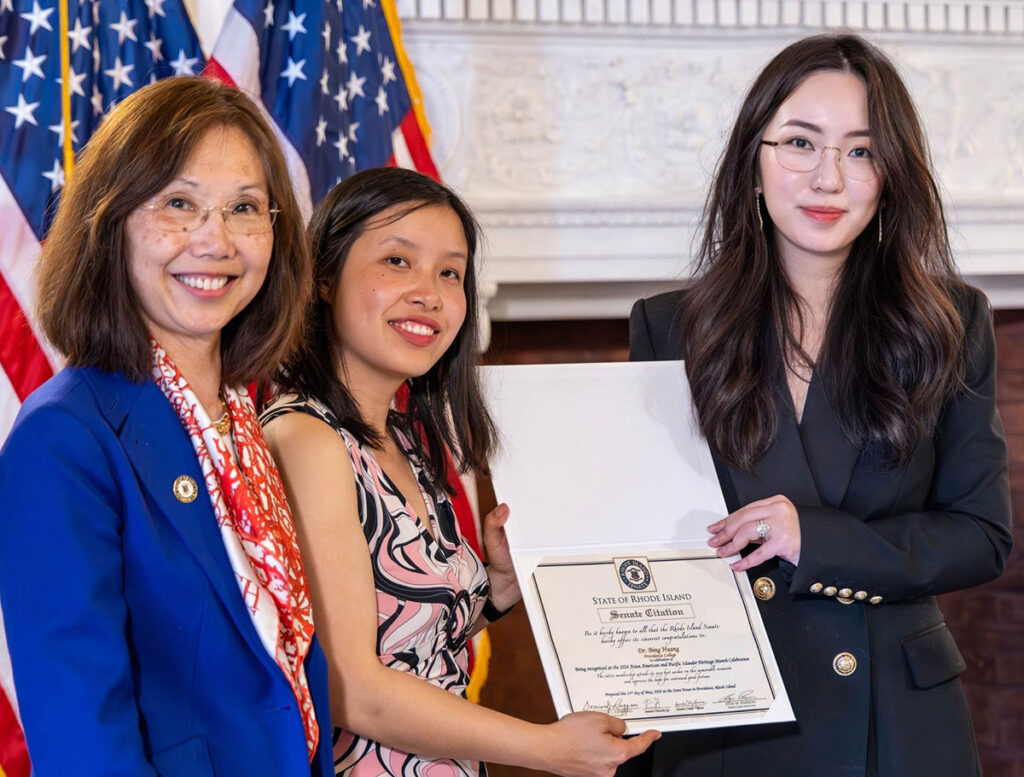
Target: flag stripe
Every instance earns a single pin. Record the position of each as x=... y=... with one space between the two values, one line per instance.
x=400 y=156
x=417 y=146
x=20 y=355
x=13 y=750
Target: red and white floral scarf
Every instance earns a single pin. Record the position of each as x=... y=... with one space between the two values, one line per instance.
x=256 y=526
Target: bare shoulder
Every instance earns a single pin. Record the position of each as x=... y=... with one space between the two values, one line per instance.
x=299 y=430
x=314 y=463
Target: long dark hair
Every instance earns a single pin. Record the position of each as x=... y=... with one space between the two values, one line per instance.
x=893 y=348
x=445 y=407
x=87 y=304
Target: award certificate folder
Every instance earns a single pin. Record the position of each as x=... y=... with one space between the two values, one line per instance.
x=611 y=488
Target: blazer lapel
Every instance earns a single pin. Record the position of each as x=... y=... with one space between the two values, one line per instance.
x=782 y=470
x=830 y=453
x=160 y=452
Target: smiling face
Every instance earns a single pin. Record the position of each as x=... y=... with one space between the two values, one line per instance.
x=818 y=214
x=400 y=300
x=191 y=284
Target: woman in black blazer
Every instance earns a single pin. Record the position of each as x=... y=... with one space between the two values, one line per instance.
x=844 y=377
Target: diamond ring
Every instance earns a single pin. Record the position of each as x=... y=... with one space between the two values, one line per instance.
x=762 y=529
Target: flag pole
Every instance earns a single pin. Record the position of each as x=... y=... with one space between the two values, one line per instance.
x=65 y=89
x=411 y=86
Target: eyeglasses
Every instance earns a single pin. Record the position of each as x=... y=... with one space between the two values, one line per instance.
x=176 y=213
x=798 y=155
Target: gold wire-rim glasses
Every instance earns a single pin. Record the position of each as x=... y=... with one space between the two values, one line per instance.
x=799 y=160
x=174 y=219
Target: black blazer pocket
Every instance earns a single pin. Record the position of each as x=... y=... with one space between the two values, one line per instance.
x=932 y=656
x=190 y=758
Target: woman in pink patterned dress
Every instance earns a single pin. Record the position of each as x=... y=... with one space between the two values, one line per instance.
x=396 y=591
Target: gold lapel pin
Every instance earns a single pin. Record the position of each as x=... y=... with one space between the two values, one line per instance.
x=185 y=489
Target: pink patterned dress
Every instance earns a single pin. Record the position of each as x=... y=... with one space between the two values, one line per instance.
x=430 y=590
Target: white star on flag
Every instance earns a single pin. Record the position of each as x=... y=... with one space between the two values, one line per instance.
x=125 y=28
x=38 y=17
x=75 y=82
x=268 y=15
x=324 y=79
x=326 y=35
x=382 y=101
x=156 y=8
x=119 y=74
x=79 y=36
x=387 y=70
x=183 y=66
x=22 y=112
x=58 y=130
x=30 y=65
x=321 y=131
x=342 y=145
x=342 y=52
x=56 y=176
x=293 y=71
x=355 y=85
x=362 y=40
x=153 y=44
x=97 y=100
x=341 y=98
x=294 y=25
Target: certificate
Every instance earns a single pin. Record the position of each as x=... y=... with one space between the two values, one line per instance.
x=611 y=488
x=660 y=640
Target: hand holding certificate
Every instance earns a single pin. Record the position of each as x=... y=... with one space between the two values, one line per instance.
x=633 y=614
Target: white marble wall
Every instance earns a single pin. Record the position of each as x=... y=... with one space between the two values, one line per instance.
x=584 y=132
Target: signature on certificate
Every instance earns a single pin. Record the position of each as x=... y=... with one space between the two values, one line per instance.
x=616 y=707
x=740 y=701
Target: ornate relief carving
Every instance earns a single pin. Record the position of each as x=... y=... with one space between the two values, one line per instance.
x=587 y=148
x=587 y=218
x=995 y=17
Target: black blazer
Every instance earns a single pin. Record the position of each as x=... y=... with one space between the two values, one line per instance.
x=877 y=546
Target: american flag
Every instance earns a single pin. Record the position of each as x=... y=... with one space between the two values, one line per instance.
x=332 y=75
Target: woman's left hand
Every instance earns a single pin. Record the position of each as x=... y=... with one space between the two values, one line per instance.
x=734 y=532
x=500 y=573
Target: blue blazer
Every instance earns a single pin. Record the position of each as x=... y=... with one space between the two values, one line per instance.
x=132 y=649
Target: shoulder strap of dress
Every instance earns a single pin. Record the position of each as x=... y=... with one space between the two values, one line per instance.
x=300 y=404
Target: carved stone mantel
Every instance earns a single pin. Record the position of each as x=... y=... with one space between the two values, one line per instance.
x=584 y=132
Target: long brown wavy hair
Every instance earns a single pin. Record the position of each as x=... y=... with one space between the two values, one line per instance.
x=893 y=347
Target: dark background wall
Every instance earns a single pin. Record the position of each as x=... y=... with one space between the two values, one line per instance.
x=988 y=621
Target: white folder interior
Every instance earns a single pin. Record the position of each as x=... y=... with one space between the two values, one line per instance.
x=600 y=456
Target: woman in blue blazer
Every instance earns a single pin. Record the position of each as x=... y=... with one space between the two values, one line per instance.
x=155 y=604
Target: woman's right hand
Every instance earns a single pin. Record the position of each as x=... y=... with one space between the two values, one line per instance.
x=589 y=744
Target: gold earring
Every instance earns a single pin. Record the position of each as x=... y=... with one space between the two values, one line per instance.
x=757 y=205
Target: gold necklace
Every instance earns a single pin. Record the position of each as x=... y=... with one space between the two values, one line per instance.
x=223 y=424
